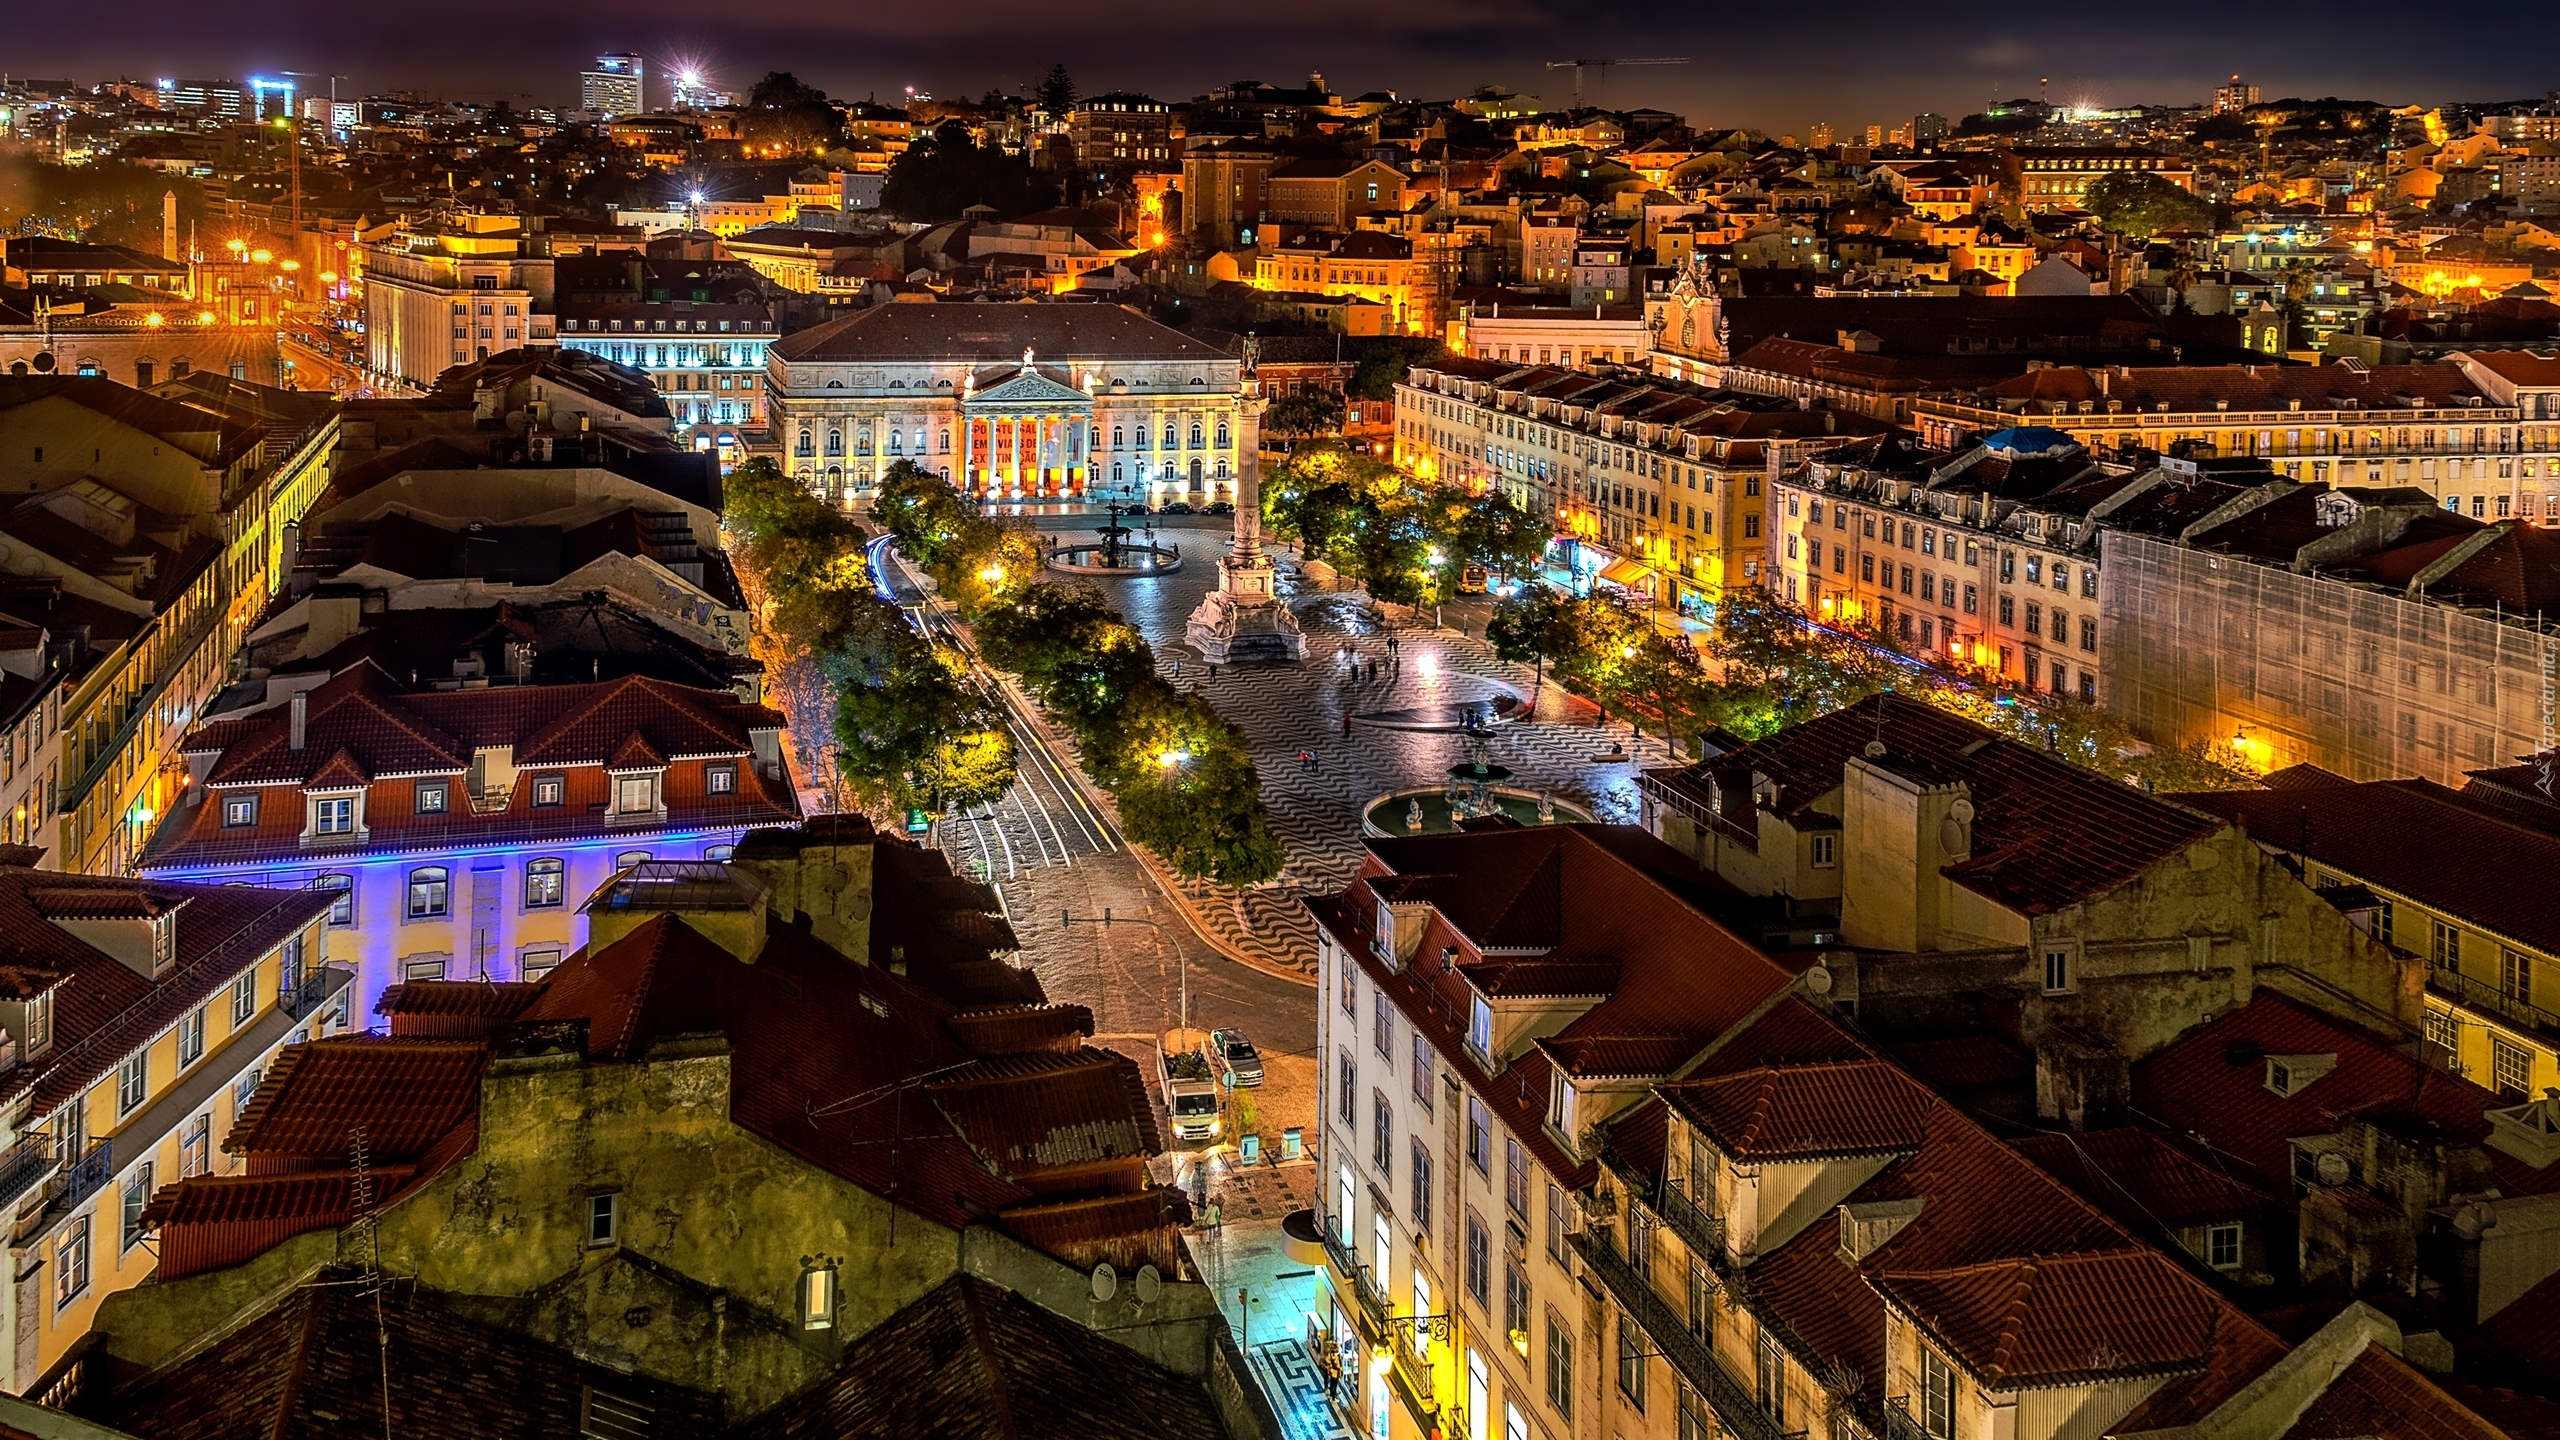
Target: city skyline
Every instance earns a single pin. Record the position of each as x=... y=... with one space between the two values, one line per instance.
x=1766 y=71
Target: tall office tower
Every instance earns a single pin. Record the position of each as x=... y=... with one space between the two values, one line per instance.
x=613 y=88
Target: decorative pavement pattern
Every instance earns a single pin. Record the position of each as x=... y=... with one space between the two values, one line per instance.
x=1296 y=1390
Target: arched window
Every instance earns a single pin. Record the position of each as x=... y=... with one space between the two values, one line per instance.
x=430 y=892
x=808 y=445
x=835 y=476
x=897 y=384
x=1118 y=439
x=1168 y=435
x=629 y=858
x=946 y=439
x=1199 y=436
x=545 y=884
x=862 y=442
x=1196 y=475
x=1143 y=436
x=897 y=443
x=1223 y=440
x=1094 y=441
x=835 y=442
x=721 y=853
x=343 y=910
x=1116 y=474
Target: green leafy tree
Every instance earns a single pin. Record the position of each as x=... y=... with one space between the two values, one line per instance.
x=928 y=518
x=1383 y=362
x=1532 y=627
x=2139 y=203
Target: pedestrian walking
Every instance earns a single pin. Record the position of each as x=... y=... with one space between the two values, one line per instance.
x=1346 y=724
x=1213 y=669
x=1177 y=669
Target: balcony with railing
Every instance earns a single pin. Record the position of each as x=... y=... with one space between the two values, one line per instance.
x=2481 y=995
x=24 y=1164
x=67 y=1187
x=1690 y=1354
x=1900 y=1423
x=1364 y=1293
x=1701 y=1232
x=299 y=995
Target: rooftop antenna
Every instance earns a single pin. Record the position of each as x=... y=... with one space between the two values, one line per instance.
x=369 y=1242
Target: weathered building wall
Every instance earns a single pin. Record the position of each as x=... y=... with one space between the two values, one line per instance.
x=2210 y=648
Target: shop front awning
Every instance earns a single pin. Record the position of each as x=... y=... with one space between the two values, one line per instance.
x=1629 y=573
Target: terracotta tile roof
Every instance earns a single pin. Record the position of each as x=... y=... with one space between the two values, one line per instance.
x=2144 y=1179
x=208 y=1222
x=453 y=1009
x=1683 y=978
x=1017 y=1029
x=404 y=1095
x=2189 y=388
x=2211 y=1085
x=1802 y=1111
x=363 y=729
x=822 y=1052
x=2361 y=831
x=299 y=1370
x=1130 y=1230
x=2024 y=1322
x=972 y=1362
x=2528 y=1329
x=103 y=1008
x=1044 y=1110
x=2046 y=833
x=2380 y=1396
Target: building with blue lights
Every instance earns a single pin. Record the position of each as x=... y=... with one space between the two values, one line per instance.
x=460 y=828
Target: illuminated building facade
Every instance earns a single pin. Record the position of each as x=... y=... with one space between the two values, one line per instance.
x=615 y=87
x=1368 y=265
x=1121 y=134
x=444 y=296
x=141 y=1020
x=706 y=360
x=141 y=574
x=458 y=829
x=2059 y=177
x=1654 y=486
x=1009 y=401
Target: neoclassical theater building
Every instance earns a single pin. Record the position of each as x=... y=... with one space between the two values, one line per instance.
x=1013 y=402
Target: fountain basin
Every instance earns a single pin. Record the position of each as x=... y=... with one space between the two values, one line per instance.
x=1131 y=560
x=1386 y=816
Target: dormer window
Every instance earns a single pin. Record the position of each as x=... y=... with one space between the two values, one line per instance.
x=1560 y=1105
x=1480 y=1027
x=635 y=794
x=39 y=1024
x=333 y=815
x=434 y=796
x=720 y=779
x=164 y=940
x=239 y=811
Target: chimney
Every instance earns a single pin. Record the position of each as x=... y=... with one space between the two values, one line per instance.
x=301 y=722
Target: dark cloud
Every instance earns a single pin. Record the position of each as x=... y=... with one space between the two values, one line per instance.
x=1851 y=62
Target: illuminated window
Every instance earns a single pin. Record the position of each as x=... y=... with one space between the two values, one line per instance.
x=550 y=791
x=432 y=796
x=239 y=810
x=430 y=892
x=538 y=963
x=818 y=1297
x=720 y=779
x=635 y=794
x=544 y=884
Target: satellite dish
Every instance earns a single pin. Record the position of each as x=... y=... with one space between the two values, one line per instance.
x=1961 y=811
x=1106 y=1281
x=1875 y=750
x=1148 y=1285
x=2333 y=1168
x=1818 y=979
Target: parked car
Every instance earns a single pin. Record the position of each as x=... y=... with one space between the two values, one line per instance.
x=1236 y=1055
x=1218 y=507
x=1175 y=507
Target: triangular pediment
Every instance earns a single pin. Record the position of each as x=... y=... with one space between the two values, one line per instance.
x=1030 y=387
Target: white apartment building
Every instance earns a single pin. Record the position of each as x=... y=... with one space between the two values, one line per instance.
x=444 y=296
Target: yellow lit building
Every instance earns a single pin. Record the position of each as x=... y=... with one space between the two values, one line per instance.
x=1365 y=264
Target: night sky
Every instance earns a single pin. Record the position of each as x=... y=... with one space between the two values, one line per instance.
x=1779 y=66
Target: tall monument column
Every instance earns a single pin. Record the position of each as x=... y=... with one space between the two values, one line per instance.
x=1244 y=617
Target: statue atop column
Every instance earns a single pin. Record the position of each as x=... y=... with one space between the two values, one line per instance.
x=1244 y=618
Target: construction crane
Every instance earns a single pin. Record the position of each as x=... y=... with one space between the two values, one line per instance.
x=1577 y=67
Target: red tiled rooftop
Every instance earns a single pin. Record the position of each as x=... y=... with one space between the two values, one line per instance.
x=2142 y=1178
x=404 y=1095
x=2380 y=1396
x=2053 y=1320
x=1804 y=1111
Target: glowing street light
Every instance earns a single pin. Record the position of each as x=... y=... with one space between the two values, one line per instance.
x=1171 y=758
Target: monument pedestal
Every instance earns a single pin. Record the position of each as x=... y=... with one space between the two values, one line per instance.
x=1244 y=619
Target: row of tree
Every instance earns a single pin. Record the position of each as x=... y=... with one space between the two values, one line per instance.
x=911 y=731
x=1181 y=776
x=1406 y=541
x=1766 y=665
